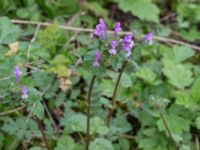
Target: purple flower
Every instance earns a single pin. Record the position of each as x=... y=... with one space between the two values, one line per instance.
x=117 y=28
x=128 y=38
x=24 y=91
x=17 y=73
x=97 y=60
x=148 y=38
x=128 y=54
x=128 y=44
x=113 y=44
x=101 y=30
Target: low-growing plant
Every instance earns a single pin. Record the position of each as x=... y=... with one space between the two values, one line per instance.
x=104 y=91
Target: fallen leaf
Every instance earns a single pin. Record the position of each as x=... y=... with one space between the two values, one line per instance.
x=13 y=49
x=65 y=84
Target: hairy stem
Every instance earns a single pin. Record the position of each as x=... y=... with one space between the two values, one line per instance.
x=88 y=112
x=43 y=134
x=110 y=111
x=168 y=131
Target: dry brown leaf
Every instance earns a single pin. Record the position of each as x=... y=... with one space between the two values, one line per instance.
x=13 y=49
x=65 y=84
x=136 y=104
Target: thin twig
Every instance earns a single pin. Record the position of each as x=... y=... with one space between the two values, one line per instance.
x=125 y=136
x=74 y=17
x=49 y=115
x=35 y=69
x=9 y=77
x=42 y=132
x=88 y=112
x=32 y=40
x=6 y=78
x=12 y=110
x=113 y=101
x=76 y=29
x=168 y=131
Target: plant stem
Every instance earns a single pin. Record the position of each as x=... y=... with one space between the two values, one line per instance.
x=88 y=112
x=110 y=111
x=43 y=134
x=168 y=131
x=49 y=115
x=12 y=110
x=75 y=29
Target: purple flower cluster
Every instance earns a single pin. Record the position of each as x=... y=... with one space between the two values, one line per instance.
x=24 y=89
x=17 y=73
x=97 y=60
x=126 y=44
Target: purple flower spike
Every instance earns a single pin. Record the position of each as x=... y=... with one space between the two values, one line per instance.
x=113 y=51
x=98 y=31
x=102 y=23
x=97 y=60
x=117 y=28
x=24 y=91
x=17 y=73
x=148 y=38
x=101 y=30
x=127 y=43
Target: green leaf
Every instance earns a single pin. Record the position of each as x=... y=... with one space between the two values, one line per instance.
x=190 y=35
x=60 y=59
x=8 y=32
x=125 y=79
x=105 y=102
x=120 y=124
x=176 y=123
x=76 y=123
x=87 y=64
x=96 y=8
x=65 y=143
x=108 y=87
x=178 y=54
x=41 y=80
x=49 y=37
x=146 y=74
x=37 y=109
x=189 y=98
x=178 y=75
x=20 y=127
x=34 y=95
x=124 y=144
x=143 y=9
x=60 y=70
x=1 y=140
x=101 y=144
x=35 y=148
x=98 y=126
x=152 y=139
x=197 y=122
